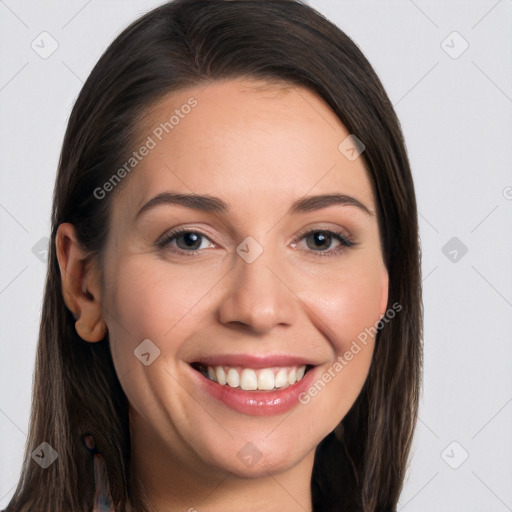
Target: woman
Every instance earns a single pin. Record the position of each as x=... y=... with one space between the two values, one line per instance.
x=232 y=315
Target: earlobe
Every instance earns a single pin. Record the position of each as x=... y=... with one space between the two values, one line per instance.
x=80 y=285
x=91 y=333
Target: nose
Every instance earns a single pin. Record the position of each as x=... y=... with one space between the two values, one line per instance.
x=259 y=295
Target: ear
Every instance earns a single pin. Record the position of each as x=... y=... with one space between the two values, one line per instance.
x=81 y=286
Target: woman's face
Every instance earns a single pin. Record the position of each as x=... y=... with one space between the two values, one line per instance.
x=259 y=284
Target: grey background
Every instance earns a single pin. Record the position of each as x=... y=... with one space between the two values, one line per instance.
x=456 y=117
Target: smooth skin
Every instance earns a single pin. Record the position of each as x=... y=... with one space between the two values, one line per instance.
x=259 y=147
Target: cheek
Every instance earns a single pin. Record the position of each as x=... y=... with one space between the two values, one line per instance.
x=348 y=309
x=153 y=302
x=348 y=313
x=348 y=304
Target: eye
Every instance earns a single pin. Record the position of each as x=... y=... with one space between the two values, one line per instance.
x=321 y=240
x=184 y=240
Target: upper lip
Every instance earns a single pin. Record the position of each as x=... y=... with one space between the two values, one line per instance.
x=255 y=361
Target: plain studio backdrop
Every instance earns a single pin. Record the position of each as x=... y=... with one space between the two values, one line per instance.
x=446 y=66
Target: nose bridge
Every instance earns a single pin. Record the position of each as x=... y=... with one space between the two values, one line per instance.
x=257 y=295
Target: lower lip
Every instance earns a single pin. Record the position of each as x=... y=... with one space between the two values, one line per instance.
x=256 y=403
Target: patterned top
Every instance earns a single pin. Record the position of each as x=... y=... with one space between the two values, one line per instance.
x=102 y=497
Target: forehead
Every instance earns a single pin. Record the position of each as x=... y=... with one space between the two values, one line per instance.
x=255 y=144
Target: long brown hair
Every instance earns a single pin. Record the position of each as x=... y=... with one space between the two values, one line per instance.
x=361 y=465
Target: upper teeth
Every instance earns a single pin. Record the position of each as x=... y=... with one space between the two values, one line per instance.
x=249 y=379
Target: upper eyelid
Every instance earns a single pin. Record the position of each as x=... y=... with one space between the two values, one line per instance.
x=173 y=233
x=313 y=229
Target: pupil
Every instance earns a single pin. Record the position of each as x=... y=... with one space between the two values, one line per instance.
x=190 y=239
x=321 y=238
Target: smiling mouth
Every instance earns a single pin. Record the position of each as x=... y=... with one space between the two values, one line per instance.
x=249 y=379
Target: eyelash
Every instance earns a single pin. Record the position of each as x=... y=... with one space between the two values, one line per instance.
x=345 y=241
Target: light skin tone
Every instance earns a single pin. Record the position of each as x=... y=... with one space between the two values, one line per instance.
x=259 y=148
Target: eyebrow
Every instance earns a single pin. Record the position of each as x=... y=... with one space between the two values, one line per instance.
x=211 y=204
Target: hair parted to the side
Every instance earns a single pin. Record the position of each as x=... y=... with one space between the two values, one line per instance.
x=359 y=467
